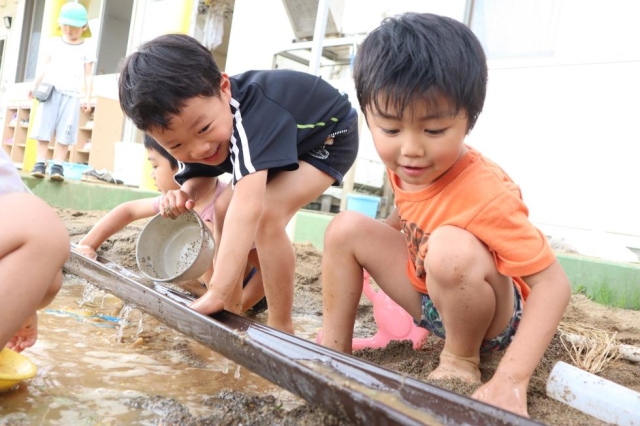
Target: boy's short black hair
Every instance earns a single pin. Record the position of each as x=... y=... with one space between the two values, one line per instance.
x=418 y=57
x=157 y=80
x=150 y=143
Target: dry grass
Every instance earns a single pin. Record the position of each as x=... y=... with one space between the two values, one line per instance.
x=590 y=348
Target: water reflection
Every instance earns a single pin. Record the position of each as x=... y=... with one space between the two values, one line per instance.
x=95 y=356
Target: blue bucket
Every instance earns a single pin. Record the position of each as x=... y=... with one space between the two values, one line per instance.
x=74 y=170
x=365 y=204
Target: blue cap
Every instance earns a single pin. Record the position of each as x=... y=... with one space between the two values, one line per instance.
x=73 y=14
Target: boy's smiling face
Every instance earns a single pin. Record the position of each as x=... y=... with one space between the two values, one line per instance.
x=421 y=144
x=201 y=131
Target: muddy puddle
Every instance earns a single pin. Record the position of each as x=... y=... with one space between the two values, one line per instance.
x=100 y=362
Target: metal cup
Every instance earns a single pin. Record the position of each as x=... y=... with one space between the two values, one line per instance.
x=175 y=249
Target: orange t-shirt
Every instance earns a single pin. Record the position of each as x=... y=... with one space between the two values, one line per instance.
x=478 y=196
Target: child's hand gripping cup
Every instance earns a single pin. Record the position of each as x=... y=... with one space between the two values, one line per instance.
x=172 y=250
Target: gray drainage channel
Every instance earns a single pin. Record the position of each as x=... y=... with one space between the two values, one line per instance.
x=363 y=392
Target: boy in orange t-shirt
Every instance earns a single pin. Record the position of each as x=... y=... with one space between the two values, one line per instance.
x=467 y=257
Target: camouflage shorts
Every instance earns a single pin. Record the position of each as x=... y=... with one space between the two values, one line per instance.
x=432 y=322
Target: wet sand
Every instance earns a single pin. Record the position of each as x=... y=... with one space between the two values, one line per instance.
x=232 y=407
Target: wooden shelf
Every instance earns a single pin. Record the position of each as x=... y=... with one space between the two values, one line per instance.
x=107 y=118
x=12 y=131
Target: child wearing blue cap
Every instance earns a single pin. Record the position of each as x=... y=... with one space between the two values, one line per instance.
x=67 y=67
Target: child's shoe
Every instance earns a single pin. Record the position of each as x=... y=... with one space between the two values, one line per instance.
x=38 y=170
x=57 y=173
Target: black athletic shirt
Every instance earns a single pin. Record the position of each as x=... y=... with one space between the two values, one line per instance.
x=279 y=115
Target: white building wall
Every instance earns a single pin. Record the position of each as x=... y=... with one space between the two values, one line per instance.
x=8 y=90
x=565 y=128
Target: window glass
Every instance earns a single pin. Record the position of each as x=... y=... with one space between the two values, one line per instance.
x=30 y=41
x=114 y=25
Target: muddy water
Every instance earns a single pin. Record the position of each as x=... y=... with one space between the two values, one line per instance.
x=100 y=362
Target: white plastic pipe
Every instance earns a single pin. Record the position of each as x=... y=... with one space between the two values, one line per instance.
x=628 y=352
x=631 y=353
x=593 y=395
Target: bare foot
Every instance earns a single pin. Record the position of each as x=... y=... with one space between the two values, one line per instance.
x=26 y=336
x=456 y=367
x=207 y=304
x=287 y=327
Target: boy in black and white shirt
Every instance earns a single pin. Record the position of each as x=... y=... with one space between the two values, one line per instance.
x=254 y=126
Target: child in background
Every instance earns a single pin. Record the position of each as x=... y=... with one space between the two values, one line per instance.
x=164 y=167
x=459 y=252
x=33 y=247
x=285 y=136
x=67 y=64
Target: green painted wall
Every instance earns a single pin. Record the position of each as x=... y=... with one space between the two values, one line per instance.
x=77 y=195
x=610 y=283
x=310 y=227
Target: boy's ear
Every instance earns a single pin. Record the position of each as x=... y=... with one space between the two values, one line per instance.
x=86 y=31
x=225 y=86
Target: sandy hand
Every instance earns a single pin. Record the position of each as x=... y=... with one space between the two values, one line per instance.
x=504 y=392
x=207 y=304
x=26 y=336
x=85 y=250
x=174 y=203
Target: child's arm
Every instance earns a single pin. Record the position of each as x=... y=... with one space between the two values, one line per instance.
x=393 y=220
x=88 y=86
x=238 y=235
x=114 y=221
x=45 y=62
x=549 y=297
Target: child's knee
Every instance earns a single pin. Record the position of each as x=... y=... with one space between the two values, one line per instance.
x=453 y=255
x=342 y=229
x=46 y=235
x=276 y=217
x=52 y=290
